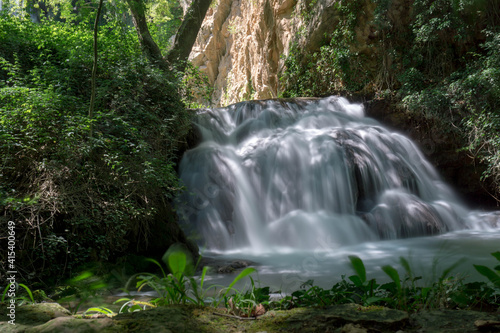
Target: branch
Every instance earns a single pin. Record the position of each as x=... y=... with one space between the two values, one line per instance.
x=187 y=33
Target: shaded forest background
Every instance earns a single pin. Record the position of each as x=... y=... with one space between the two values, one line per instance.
x=78 y=198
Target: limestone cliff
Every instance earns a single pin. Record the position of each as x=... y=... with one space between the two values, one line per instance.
x=243 y=44
x=240 y=44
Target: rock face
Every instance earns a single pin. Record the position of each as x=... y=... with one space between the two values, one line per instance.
x=242 y=44
x=239 y=47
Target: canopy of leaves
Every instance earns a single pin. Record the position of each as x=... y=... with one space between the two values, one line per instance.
x=74 y=198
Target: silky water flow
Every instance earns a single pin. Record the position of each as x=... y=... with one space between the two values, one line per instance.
x=298 y=185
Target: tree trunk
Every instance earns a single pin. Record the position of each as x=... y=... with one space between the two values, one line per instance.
x=184 y=40
x=94 y=70
x=186 y=35
x=148 y=45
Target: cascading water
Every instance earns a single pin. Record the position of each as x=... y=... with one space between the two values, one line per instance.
x=298 y=175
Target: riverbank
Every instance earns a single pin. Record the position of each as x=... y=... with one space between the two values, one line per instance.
x=51 y=317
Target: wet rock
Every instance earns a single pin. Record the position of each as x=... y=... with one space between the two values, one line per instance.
x=453 y=321
x=223 y=266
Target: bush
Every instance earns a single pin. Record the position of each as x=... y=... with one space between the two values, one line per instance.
x=76 y=199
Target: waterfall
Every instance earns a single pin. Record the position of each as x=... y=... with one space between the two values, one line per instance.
x=277 y=174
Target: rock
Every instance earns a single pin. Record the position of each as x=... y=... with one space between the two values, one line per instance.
x=32 y=315
x=347 y=318
x=37 y=313
x=71 y=325
x=237 y=264
x=224 y=266
x=242 y=44
x=451 y=321
x=350 y=328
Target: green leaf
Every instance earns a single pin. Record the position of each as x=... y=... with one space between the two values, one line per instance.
x=406 y=266
x=202 y=279
x=496 y=255
x=124 y=308
x=102 y=310
x=448 y=270
x=135 y=308
x=489 y=274
x=359 y=267
x=356 y=280
x=157 y=264
x=177 y=263
x=247 y=271
x=83 y=276
x=28 y=291
x=122 y=300
x=394 y=275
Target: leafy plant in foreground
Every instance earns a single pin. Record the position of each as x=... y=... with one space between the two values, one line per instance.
x=20 y=299
x=80 y=289
x=180 y=286
x=492 y=276
x=366 y=289
x=250 y=303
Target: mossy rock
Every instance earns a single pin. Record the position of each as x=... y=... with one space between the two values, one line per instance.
x=37 y=313
x=339 y=316
x=455 y=321
x=347 y=318
x=32 y=315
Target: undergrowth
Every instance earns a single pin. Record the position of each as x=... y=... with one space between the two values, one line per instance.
x=75 y=198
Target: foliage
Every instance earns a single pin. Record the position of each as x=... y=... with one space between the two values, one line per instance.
x=492 y=276
x=437 y=59
x=77 y=199
x=20 y=298
x=80 y=289
x=336 y=67
x=180 y=286
x=404 y=292
x=195 y=88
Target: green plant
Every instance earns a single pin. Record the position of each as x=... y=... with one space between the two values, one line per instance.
x=101 y=310
x=80 y=199
x=82 y=288
x=131 y=305
x=20 y=299
x=490 y=274
x=171 y=288
x=250 y=303
x=366 y=288
x=180 y=286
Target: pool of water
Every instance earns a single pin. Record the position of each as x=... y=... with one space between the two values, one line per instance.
x=286 y=269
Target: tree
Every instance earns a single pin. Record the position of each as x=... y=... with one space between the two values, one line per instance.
x=94 y=68
x=184 y=40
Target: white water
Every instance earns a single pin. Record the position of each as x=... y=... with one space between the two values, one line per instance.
x=296 y=186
